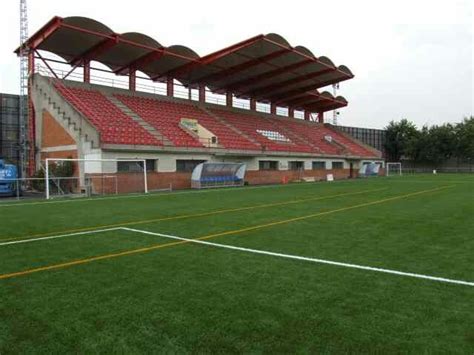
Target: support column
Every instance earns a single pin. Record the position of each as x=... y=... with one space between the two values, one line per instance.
x=291 y=112
x=31 y=62
x=170 y=87
x=132 y=80
x=31 y=134
x=253 y=104
x=228 y=99
x=321 y=117
x=273 y=108
x=87 y=72
x=307 y=115
x=202 y=93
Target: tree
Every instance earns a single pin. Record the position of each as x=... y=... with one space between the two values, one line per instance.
x=465 y=139
x=399 y=139
x=440 y=144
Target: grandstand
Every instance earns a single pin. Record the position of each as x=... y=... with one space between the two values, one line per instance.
x=86 y=120
x=368 y=265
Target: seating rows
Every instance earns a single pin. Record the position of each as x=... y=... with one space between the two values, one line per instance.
x=249 y=124
x=353 y=147
x=114 y=126
x=165 y=116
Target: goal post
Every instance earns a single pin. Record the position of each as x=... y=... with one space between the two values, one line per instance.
x=393 y=169
x=75 y=177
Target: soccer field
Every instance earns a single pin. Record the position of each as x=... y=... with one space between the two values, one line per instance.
x=363 y=266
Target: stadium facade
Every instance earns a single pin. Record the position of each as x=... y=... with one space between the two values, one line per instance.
x=90 y=121
x=10 y=128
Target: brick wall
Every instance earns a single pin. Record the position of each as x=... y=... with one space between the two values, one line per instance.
x=53 y=134
x=133 y=182
x=279 y=176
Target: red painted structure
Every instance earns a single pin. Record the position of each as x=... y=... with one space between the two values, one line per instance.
x=263 y=68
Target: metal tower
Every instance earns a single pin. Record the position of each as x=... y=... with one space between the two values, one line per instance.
x=23 y=119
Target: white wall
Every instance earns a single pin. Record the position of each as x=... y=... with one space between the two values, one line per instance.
x=166 y=162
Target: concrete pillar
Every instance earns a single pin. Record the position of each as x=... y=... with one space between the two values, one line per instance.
x=202 y=93
x=169 y=87
x=273 y=108
x=253 y=104
x=321 y=117
x=228 y=99
x=87 y=72
x=291 y=112
x=132 y=80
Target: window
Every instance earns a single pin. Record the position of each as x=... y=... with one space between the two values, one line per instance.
x=135 y=166
x=187 y=165
x=319 y=165
x=296 y=165
x=150 y=164
x=337 y=165
x=129 y=166
x=267 y=165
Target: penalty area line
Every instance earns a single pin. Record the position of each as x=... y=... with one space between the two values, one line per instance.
x=59 y=236
x=307 y=259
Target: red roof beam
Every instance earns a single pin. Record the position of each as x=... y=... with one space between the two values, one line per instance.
x=177 y=72
x=140 y=62
x=285 y=95
x=126 y=41
x=95 y=51
x=314 y=59
x=248 y=81
x=43 y=33
x=231 y=49
x=325 y=106
x=332 y=81
x=243 y=66
x=298 y=101
x=298 y=79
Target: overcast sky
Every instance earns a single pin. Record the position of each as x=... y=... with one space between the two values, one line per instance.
x=411 y=58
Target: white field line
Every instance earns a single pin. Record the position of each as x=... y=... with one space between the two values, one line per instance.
x=302 y=258
x=59 y=236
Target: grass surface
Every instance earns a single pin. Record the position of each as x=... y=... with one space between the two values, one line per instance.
x=131 y=292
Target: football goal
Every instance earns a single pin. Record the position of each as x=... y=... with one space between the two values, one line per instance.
x=393 y=169
x=91 y=177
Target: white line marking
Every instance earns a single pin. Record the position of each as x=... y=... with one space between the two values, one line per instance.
x=58 y=236
x=314 y=260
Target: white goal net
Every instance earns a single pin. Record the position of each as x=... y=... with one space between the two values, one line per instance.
x=393 y=169
x=93 y=177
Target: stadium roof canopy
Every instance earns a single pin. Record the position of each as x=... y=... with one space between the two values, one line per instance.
x=265 y=67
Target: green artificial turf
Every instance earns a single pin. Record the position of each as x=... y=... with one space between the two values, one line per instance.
x=187 y=297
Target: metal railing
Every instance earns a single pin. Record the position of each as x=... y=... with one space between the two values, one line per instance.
x=158 y=89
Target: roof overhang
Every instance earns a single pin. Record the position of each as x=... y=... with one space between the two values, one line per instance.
x=264 y=67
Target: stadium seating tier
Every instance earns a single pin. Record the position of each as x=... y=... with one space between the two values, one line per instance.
x=234 y=129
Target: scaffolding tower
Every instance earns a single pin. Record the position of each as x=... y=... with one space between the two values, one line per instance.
x=23 y=109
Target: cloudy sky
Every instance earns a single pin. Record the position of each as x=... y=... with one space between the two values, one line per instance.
x=411 y=58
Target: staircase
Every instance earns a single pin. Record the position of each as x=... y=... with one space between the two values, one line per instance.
x=49 y=99
x=127 y=111
x=228 y=125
